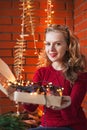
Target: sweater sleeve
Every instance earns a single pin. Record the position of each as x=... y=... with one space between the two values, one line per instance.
x=77 y=94
x=37 y=78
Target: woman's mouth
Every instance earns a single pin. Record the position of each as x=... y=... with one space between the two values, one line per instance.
x=52 y=54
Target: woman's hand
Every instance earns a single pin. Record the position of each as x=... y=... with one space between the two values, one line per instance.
x=65 y=102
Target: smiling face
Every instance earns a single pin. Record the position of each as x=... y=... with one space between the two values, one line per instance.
x=55 y=46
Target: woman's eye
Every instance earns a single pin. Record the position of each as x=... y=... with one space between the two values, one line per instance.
x=47 y=43
x=58 y=44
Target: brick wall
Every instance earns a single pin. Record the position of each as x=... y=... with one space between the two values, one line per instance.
x=65 y=13
x=9 y=29
x=80 y=23
x=80 y=28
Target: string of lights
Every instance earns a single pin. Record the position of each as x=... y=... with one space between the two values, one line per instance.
x=27 y=28
x=30 y=21
x=49 y=10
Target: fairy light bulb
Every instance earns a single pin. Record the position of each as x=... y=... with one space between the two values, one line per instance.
x=49 y=12
x=17 y=109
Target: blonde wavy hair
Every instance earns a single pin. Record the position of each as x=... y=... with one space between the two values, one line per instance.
x=73 y=61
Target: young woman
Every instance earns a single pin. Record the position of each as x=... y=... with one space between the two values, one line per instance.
x=62 y=64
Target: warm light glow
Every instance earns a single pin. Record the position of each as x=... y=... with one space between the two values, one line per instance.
x=27 y=24
x=33 y=93
x=49 y=12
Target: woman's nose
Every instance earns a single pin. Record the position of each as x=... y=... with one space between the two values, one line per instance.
x=52 y=47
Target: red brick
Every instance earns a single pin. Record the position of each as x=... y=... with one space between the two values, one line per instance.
x=6 y=102
x=56 y=4
x=78 y=18
x=69 y=6
x=84 y=42
x=31 y=37
x=17 y=20
x=5 y=4
x=29 y=69
x=54 y=20
x=6 y=20
x=77 y=3
x=9 y=60
x=40 y=28
x=12 y=108
x=5 y=52
x=83 y=6
x=10 y=12
x=31 y=61
x=31 y=44
x=69 y=22
x=84 y=51
x=2 y=94
x=10 y=28
x=58 y=21
x=15 y=36
x=81 y=9
x=34 y=4
x=27 y=38
x=85 y=34
x=64 y=13
x=81 y=34
x=30 y=76
x=76 y=12
x=5 y=36
x=7 y=44
x=40 y=13
x=59 y=5
x=42 y=37
x=83 y=25
x=6 y=109
x=16 y=3
x=30 y=52
x=85 y=14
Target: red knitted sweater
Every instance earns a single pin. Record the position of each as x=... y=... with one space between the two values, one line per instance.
x=73 y=115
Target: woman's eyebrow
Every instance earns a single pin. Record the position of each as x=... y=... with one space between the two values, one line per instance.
x=53 y=42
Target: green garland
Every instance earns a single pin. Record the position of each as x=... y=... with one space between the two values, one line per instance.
x=11 y=122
